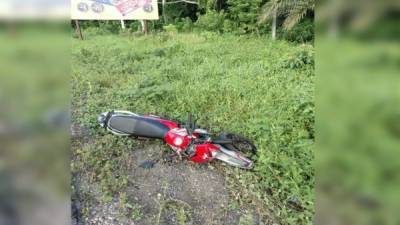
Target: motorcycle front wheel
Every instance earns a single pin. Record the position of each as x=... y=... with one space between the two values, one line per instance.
x=237 y=142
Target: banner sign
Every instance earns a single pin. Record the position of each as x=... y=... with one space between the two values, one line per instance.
x=114 y=10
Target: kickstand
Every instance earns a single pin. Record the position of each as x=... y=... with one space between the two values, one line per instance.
x=171 y=156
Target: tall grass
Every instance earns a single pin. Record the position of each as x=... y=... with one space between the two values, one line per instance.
x=260 y=88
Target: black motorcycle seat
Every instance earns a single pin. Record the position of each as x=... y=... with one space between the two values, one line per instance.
x=138 y=126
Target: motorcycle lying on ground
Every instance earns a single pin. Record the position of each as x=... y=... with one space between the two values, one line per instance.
x=186 y=140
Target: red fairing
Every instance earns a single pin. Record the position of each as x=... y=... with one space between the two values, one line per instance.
x=177 y=138
x=203 y=153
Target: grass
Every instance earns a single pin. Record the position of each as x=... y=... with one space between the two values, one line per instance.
x=180 y=208
x=358 y=87
x=260 y=88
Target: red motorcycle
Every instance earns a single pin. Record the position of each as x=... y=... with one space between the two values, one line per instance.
x=186 y=140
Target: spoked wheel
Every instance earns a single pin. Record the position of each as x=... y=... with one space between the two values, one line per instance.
x=239 y=143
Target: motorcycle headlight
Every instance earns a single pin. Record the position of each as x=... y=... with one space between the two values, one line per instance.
x=178 y=141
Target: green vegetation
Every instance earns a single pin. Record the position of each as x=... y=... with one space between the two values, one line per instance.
x=167 y=205
x=293 y=21
x=246 y=219
x=254 y=86
x=359 y=89
x=130 y=209
x=292 y=11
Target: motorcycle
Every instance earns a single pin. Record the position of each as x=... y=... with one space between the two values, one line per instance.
x=186 y=139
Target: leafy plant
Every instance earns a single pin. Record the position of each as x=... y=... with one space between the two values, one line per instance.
x=300 y=58
x=211 y=21
x=130 y=209
x=170 y=28
x=292 y=10
x=301 y=32
x=243 y=15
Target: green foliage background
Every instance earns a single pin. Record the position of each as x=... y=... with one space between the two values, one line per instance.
x=222 y=16
x=260 y=88
x=358 y=130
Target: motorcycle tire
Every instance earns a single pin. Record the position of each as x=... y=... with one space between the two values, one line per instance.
x=239 y=143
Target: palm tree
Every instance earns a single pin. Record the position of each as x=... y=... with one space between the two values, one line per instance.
x=292 y=10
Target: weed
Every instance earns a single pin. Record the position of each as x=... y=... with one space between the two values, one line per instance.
x=129 y=208
x=182 y=216
x=246 y=219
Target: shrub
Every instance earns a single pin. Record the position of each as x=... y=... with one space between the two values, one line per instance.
x=113 y=27
x=302 y=32
x=300 y=58
x=93 y=31
x=229 y=26
x=211 y=21
x=187 y=25
x=244 y=13
x=170 y=28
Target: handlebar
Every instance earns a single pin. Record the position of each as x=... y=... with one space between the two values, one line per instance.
x=190 y=124
x=222 y=142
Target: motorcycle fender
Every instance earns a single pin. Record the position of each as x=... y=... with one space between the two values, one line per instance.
x=232 y=158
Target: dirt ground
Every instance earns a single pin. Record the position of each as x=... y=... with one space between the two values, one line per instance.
x=168 y=193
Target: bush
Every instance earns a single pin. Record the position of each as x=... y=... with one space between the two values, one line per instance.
x=302 y=32
x=186 y=25
x=229 y=26
x=300 y=58
x=211 y=21
x=244 y=13
x=93 y=28
x=113 y=27
x=133 y=25
x=170 y=28
x=93 y=31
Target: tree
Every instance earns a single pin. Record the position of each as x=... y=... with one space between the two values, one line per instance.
x=292 y=10
x=176 y=9
x=244 y=13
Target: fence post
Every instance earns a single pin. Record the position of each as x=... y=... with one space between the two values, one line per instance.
x=78 y=29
